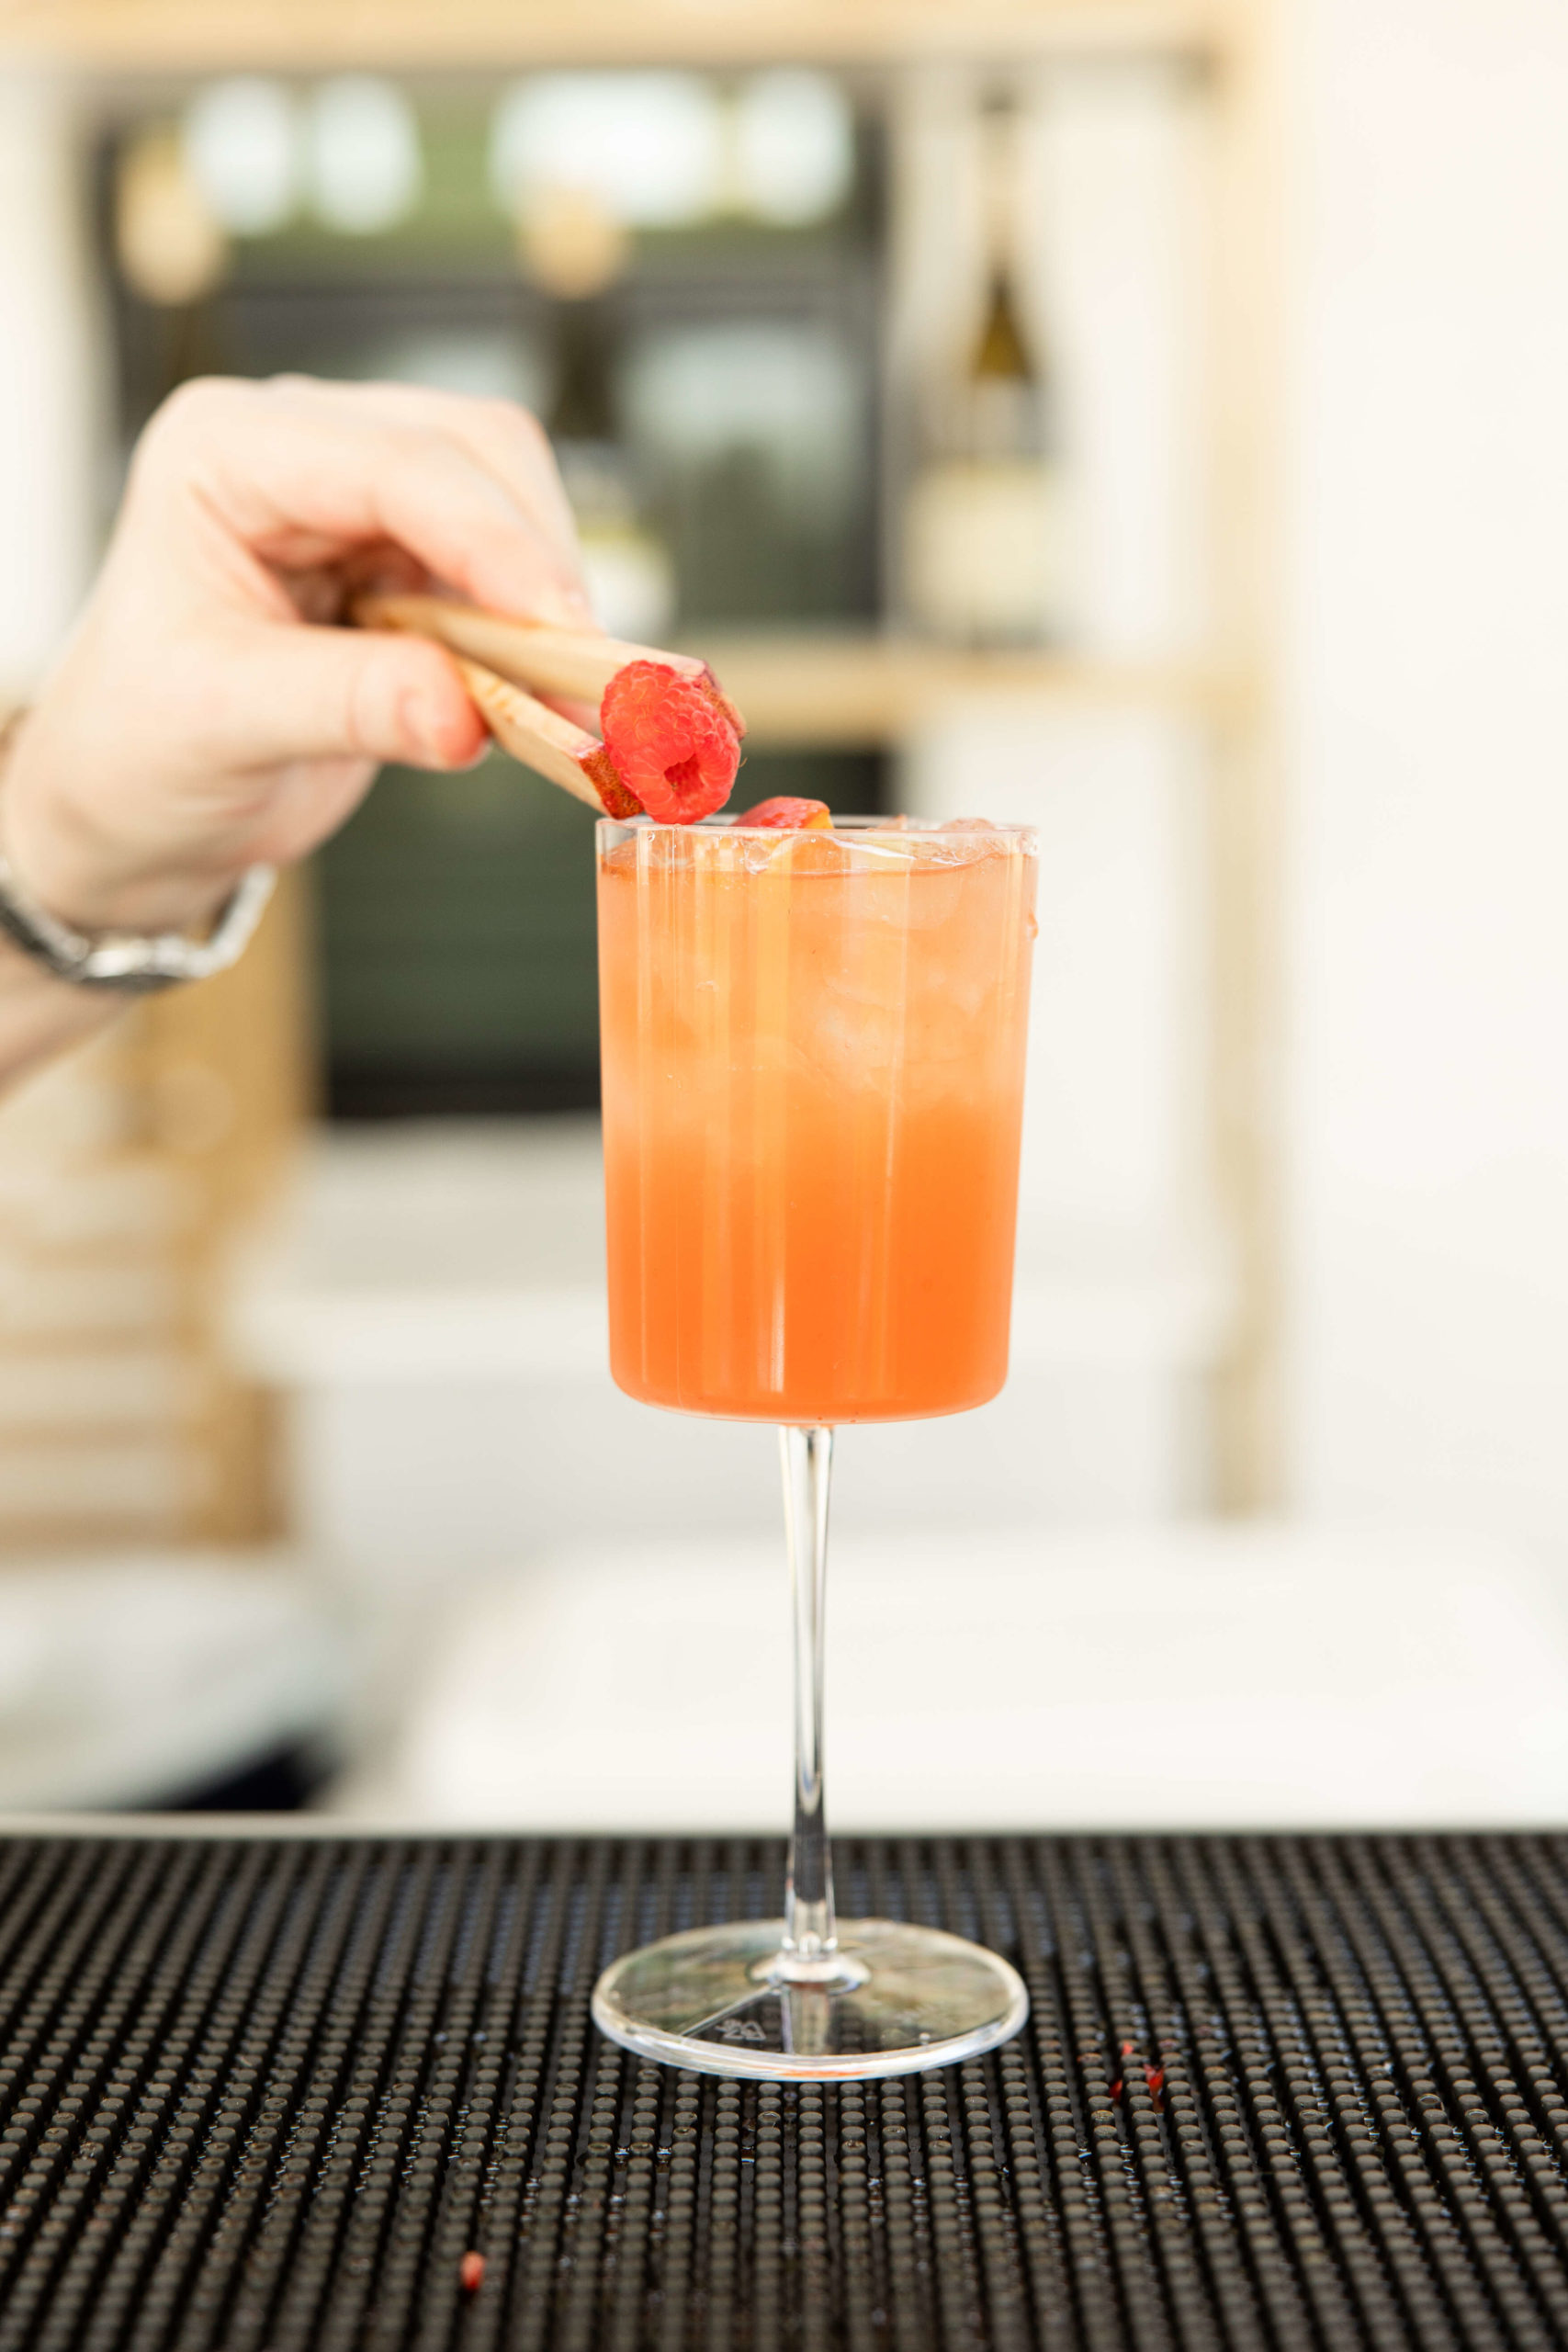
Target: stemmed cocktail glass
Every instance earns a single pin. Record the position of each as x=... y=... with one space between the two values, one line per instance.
x=813 y=1076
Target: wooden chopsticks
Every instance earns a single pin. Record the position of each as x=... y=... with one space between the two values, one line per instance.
x=576 y=664
x=544 y=741
x=507 y=664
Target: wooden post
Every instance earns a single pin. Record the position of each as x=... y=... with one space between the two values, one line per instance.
x=1246 y=1419
x=227 y=1073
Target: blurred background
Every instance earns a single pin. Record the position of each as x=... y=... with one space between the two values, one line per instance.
x=1145 y=422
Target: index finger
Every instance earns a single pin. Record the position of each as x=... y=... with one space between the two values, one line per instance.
x=503 y=436
x=298 y=478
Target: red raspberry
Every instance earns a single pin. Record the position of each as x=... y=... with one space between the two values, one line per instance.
x=672 y=740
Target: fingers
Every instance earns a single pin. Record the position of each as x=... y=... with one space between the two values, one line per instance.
x=303 y=474
x=501 y=435
x=298 y=693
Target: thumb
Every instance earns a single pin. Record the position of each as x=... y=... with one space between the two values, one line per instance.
x=301 y=693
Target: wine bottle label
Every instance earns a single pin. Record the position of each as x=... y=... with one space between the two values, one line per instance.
x=983 y=551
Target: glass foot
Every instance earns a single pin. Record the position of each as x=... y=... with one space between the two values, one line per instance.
x=896 y=1998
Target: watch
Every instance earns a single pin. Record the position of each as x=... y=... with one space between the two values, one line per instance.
x=131 y=962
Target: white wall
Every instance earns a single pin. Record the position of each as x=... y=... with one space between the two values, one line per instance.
x=1428 y=849
x=1115 y=1193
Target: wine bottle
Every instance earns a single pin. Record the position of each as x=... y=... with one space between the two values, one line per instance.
x=982 y=522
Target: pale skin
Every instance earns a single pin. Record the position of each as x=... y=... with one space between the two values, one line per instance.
x=205 y=714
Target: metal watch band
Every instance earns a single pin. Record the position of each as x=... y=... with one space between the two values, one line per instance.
x=128 y=962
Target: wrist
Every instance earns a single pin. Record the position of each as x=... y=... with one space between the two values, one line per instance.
x=84 y=880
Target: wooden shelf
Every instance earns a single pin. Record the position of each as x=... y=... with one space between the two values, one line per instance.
x=199 y=36
x=823 y=689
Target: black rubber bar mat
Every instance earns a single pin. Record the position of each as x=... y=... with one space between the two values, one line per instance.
x=264 y=2093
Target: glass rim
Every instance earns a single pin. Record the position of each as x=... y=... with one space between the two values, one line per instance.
x=720 y=824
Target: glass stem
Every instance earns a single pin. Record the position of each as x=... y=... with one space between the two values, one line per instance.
x=806 y=1457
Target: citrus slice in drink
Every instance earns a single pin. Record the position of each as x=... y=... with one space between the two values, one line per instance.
x=785 y=814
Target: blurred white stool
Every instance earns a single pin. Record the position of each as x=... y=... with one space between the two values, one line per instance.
x=431 y=1304
x=1202 y=1675
x=137 y=1680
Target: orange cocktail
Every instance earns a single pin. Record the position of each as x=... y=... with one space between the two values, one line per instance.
x=813 y=1075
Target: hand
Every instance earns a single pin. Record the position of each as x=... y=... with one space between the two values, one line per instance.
x=202 y=717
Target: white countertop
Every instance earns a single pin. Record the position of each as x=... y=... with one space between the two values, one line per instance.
x=1161 y=1677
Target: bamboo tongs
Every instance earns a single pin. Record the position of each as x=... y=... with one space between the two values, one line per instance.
x=507 y=664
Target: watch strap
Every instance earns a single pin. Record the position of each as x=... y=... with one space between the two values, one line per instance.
x=130 y=962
